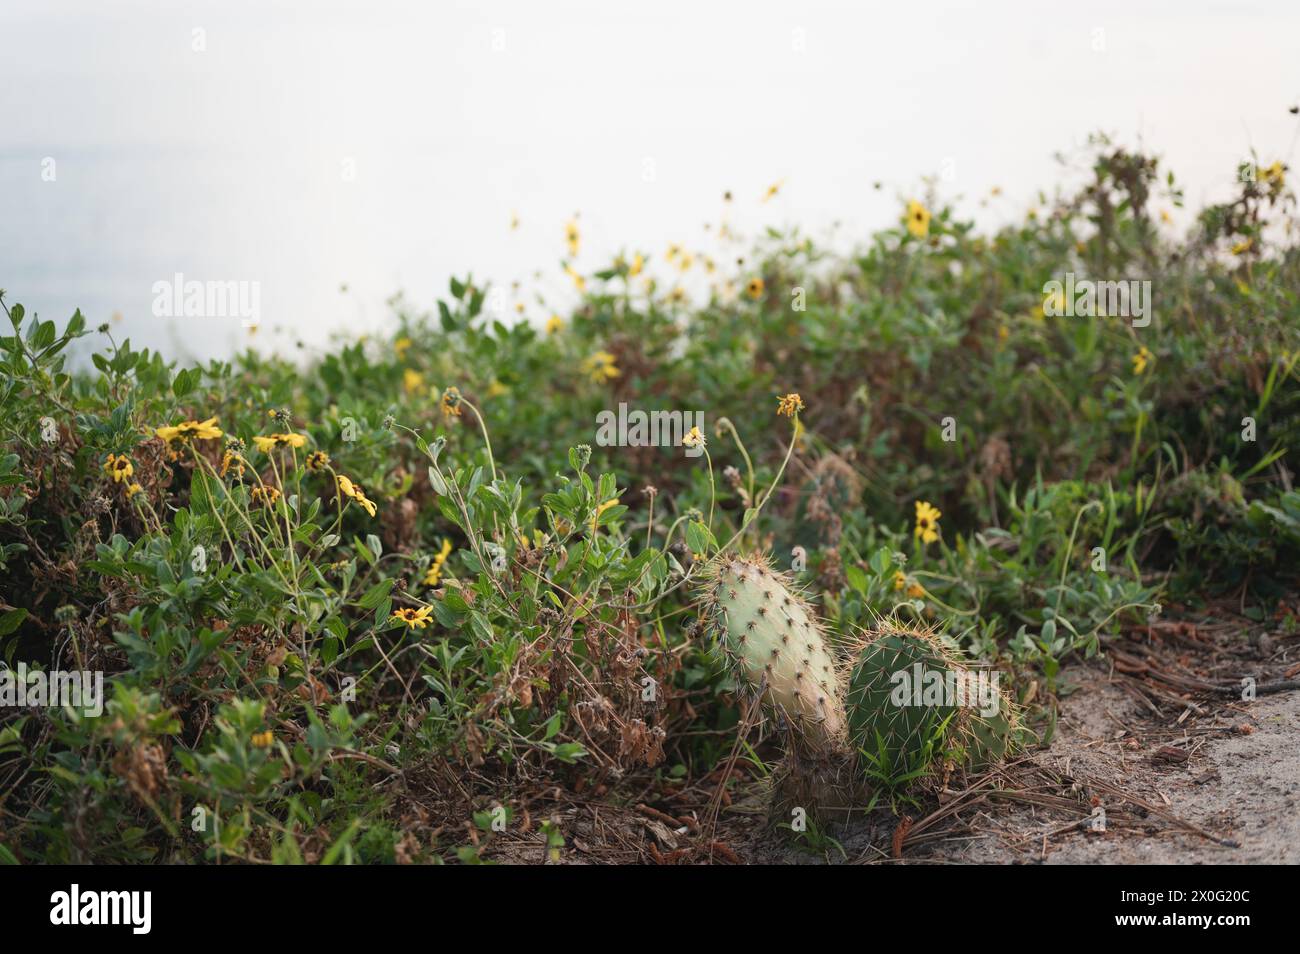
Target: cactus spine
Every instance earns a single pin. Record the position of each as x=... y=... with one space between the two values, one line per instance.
x=990 y=739
x=913 y=709
x=775 y=644
x=896 y=734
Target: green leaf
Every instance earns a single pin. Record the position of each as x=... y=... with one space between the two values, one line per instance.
x=569 y=752
x=856 y=579
x=43 y=335
x=376 y=594
x=552 y=727
x=12 y=620
x=699 y=538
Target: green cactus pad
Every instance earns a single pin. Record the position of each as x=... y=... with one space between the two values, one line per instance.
x=989 y=739
x=775 y=644
x=897 y=726
x=912 y=709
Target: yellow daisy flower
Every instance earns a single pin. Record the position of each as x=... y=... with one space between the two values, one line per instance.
x=927 y=522
x=349 y=489
x=601 y=367
x=554 y=324
x=119 y=467
x=270 y=442
x=434 y=574
x=579 y=282
x=232 y=461
x=755 y=288
x=190 y=430
x=918 y=219
x=1141 y=360
x=789 y=405
x=413 y=618
x=265 y=494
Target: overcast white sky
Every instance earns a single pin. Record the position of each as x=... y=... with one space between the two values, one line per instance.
x=227 y=163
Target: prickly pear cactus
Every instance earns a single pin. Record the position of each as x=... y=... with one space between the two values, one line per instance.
x=988 y=739
x=776 y=645
x=889 y=722
x=913 y=709
x=818 y=781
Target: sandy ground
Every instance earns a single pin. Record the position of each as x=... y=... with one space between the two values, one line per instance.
x=1240 y=783
x=1143 y=769
x=1150 y=764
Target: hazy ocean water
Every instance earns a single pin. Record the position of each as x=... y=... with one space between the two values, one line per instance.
x=384 y=147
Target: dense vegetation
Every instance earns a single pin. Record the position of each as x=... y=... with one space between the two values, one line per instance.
x=349 y=614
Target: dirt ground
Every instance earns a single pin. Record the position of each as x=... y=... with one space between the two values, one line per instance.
x=1153 y=761
x=1235 y=778
x=1146 y=767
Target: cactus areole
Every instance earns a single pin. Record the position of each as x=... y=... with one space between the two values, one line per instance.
x=901 y=730
x=913 y=707
x=775 y=644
